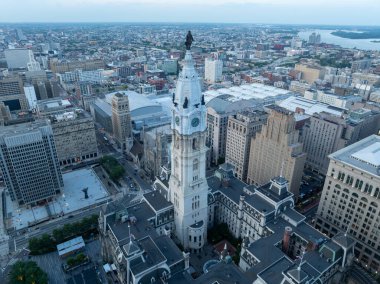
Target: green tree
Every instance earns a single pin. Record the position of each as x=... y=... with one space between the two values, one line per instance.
x=27 y=272
x=71 y=261
x=47 y=243
x=41 y=245
x=112 y=167
x=80 y=258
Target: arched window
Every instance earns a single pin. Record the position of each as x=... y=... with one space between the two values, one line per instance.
x=364 y=199
x=377 y=193
x=354 y=194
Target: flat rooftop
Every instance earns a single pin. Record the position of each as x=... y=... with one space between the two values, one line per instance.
x=22 y=128
x=309 y=106
x=53 y=104
x=157 y=201
x=246 y=92
x=71 y=200
x=369 y=155
x=70 y=245
x=363 y=155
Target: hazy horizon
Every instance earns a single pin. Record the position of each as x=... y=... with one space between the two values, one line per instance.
x=293 y=12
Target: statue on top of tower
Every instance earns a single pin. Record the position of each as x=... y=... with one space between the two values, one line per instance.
x=189 y=40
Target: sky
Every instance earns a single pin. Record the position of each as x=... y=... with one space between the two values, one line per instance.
x=329 y=12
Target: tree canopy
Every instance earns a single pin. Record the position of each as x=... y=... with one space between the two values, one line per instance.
x=112 y=167
x=27 y=272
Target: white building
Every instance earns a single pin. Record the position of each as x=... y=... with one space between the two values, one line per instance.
x=18 y=57
x=31 y=97
x=332 y=99
x=296 y=42
x=213 y=70
x=258 y=92
x=309 y=107
x=188 y=189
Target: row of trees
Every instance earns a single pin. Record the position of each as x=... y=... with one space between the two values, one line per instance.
x=76 y=260
x=47 y=243
x=27 y=272
x=112 y=167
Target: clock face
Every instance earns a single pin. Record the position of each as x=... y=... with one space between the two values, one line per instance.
x=195 y=122
x=177 y=120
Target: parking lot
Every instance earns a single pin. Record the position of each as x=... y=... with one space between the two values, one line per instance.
x=51 y=263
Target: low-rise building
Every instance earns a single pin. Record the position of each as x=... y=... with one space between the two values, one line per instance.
x=278 y=245
x=329 y=98
x=136 y=238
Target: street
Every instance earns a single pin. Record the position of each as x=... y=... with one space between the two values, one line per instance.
x=21 y=241
x=18 y=241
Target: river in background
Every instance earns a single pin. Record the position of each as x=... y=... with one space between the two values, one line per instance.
x=327 y=37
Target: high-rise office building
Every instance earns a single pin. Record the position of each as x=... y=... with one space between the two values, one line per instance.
x=314 y=38
x=121 y=121
x=57 y=66
x=12 y=93
x=240 y=130
x=277 y=150
x=218 y=112
x=188 y=189
x=31 y=96
x=350 y=200
x=170 y=66
x=83 y=89
x=310 y=71
x=73 y=130
x=213 y=70
x=325 y=133
x=28 y=161
x=5 y=114
x=18 y=58
x=41 y=91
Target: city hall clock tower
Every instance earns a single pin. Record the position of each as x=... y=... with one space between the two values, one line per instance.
x=188 y=188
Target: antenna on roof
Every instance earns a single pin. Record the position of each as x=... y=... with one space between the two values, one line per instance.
x=129 y=233
x=348 y=227
x=299 y=266
x=282 y=168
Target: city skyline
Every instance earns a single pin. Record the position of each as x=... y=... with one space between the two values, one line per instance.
x=225 y=11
